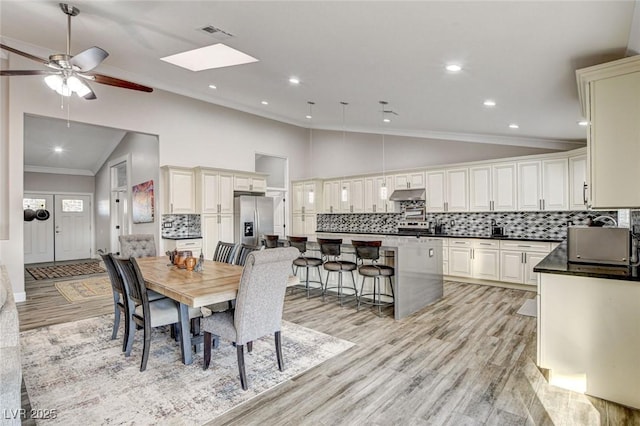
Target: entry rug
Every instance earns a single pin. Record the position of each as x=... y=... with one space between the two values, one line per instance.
x=68 y=270
x=76 y=372
x=84 y=290
x=529 y=308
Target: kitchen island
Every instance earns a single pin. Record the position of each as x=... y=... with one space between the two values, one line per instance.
x=589 y=327
x=418 y=278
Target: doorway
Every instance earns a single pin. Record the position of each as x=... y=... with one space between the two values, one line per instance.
x=61 y=229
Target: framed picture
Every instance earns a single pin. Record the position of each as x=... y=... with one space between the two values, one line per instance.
x=142 y=202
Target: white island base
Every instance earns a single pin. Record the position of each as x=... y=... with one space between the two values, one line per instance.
x=589 y=335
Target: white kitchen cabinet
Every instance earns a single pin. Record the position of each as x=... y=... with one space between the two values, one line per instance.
x=409 y=180
x=578 y=183
x=180 y=190
x=518 y=258
x=331 y=196
x=251 y=183
x=460 y=260
x=448 y=190
x=215 y=228
x=609 y=95
x=193 y=244
x=485 y=257
x=352 y=196
x=214 y=191
x=504 y=188
x=303 y=224
x=543 y=185
x=373 y=201
x=480 y=189
x=306 y=197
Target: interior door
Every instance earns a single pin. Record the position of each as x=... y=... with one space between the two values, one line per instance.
x=38 y=234
x=72 y=227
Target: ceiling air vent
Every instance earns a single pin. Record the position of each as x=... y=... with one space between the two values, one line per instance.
x=216 y=32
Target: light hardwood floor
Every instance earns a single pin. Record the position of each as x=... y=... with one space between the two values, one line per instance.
x=467 y=359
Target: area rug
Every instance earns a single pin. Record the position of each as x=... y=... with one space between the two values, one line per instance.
x=529 y=308
x=86 y=289
x=75 y=369
x=68 y=270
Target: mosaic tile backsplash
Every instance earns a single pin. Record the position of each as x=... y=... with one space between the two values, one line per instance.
x=181 y=226
x=526 y=225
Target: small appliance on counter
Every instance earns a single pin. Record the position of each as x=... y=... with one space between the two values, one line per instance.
x=496 y=231
x=599 y=245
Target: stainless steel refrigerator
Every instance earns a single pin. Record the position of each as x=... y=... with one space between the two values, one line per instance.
x=253 y=218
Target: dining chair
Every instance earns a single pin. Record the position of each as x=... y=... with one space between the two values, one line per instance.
x=224 y=252
x=147 y=314
x=271 y=241
x=119 y=299
x=137 y=245
x=258 y=310
x=243 y=252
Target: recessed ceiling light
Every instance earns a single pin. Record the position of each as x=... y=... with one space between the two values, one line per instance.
x=205 y=58
x=489 y=103
x=453 y=67
x=583 y=123
x=308 y=116
x=264 y=103
x=294 y=80
x=57 y=149
x=387 y=120
x=514 y=126
x=212 y=86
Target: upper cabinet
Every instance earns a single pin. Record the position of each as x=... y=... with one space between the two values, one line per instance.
x=578 y=187
x=180 y=190
x=448 y=190
x=214 y=191
x=306 y=197
x=492 y=187
x=543 y=185
x=352 y=195
x=411 y=180
x=252 y=183
x=331 y=196
x=610 y=96
x=377 y=190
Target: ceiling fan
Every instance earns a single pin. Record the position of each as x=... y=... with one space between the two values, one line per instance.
x=69 y=74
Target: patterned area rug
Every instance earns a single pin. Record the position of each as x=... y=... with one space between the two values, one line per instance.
x=86 y=289
x=75 y=369
x=60 y=271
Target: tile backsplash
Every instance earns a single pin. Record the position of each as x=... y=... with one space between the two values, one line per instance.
x=534 y=225
x=181 y=226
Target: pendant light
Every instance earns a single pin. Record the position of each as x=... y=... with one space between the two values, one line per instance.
x=344 y=194
x=383 y=187
x=311 y=195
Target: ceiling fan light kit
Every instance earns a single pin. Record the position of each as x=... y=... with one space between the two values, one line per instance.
x=68 y=73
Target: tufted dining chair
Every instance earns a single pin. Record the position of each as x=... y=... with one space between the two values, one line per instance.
x=147 y=314
x=137 y=245
x=258 y=309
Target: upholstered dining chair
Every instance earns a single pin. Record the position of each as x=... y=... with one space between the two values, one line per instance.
x=243 y=252
x=258 y=309
x=137 y=245
x=147 y=314
x=224 y=252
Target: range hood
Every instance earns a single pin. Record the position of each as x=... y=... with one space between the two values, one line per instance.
x=408 y=195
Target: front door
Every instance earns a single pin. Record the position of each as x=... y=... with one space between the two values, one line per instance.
x=72 y=227
x=38 y=232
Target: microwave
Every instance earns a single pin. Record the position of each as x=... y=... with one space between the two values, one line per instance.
x=599 y=245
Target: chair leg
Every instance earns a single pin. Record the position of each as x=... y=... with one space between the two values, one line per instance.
x=130 y=336
x=249 y=347
x=361 y=292
x=127 y=328
x=279 y=351
x=243 y=373
x=207 y=349
x=145 y=348
x=116 y=317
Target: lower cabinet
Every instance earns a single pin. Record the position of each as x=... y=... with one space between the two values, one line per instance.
x=217 y=227
x=474 y=258
x=303 y=224
x=518 y=258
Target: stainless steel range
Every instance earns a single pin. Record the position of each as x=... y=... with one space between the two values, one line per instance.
x=414 y=227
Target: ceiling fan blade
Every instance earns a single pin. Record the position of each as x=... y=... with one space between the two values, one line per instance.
x=26 y=72
x=112 y=81
x=89 y=59
x=91 y=95
x=21 y=53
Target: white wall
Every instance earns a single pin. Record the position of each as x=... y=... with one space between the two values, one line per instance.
x=49 y=182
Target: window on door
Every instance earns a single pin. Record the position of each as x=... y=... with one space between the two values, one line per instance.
x=72 y=206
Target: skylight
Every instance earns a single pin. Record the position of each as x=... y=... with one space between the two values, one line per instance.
x=217 y=55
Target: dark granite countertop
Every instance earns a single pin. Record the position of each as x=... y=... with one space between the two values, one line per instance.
x=484 y=237
x=194 y=237
x=556 y=263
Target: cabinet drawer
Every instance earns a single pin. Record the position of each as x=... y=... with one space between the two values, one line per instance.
x=445 y=241
x=189 y=244
x=537 y=246
x=460 y=242
x=490 y=244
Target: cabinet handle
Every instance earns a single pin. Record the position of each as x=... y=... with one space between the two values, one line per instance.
x=459 y=242
x=374 y=208
x=351 y=209
x=302 y=209
x=219 y=208
x=522 y=257
x=303 y=218
x=584 y=193
x=250 y=187
x=171 y=208
x=472 y=253
x=446 y=206
x=408 y=185
x=330 y=209
x=542 y=204
x=219 y=219
x=485 y=244
x=522 y=245
x=525 y=257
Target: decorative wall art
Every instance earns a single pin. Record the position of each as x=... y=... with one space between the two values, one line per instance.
x=142 y=202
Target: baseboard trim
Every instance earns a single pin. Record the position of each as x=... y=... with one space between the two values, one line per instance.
x=502 y=284
x=20 y=297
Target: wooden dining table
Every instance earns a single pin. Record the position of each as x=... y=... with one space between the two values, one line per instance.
x=217 y=282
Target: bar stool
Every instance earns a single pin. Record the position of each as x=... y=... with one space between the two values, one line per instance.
x=370 y=250
x=271 y=241
x=330 y=249
x=307 y=263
